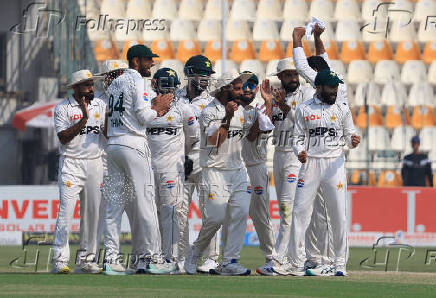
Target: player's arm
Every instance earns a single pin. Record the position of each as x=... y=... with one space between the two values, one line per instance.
x=350 y=133
x=65 y=134
x=190 y=128
x=106 y=116
x=319 y=45
x=299 y=134
x=300 y=59
x=219 y=135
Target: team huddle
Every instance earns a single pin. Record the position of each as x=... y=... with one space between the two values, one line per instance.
x=146 y=148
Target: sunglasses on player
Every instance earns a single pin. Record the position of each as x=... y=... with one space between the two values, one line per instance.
x=250 y=86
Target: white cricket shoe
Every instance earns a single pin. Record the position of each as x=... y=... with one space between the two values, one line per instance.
x=180 y=270
x=208 y=264
x=280 y=268
x=321 y=270
x=191 y=262
x=114 y=268
x=266 y=269
x=87 y=268
x=60 y=268
x=158 y=265
x=231 y=269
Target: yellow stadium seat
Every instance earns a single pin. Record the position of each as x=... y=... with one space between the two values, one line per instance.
x=271 y=50
x=429 y=54
x=127 y=45
x=360 y=177
x=213 y=50
x=306 y=48
x=422 y=116
x=106 y=50
x=352 y=50
x=394 y=117
x=389 y=178
x=187 y=49
x=242 y=50
x=163 y=48
x=375 y=117
x=407 y=50
x=380 y=50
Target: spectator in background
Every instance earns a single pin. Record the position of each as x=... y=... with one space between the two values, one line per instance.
x=416 y=167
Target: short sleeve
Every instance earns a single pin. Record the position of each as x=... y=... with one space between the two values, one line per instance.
x=61 y=118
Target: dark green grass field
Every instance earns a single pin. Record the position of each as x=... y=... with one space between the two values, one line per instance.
x=414 y=278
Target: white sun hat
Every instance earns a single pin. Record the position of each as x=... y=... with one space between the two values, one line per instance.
x=284 y=64
x=81 y=76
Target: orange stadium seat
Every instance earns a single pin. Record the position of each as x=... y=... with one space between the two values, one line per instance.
x=395 y=116
x=127 y=45
x=389 y=178
x=422 y=116
x=380 y=50
x=352 y=50
x=407 y=50
x=375 y=117
x=306 y=48
x=271 y=50
x=429 y=54
x=163 y=48
x=360 y=177
x=213 y=50
x=187 y=49
x=242 y=50
x=106 y=50
x=331 y=47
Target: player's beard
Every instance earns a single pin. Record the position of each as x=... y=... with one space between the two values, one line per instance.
x=88 y=95
x=247 y=98
x=291 y=87
x=145 y=72
x=328 y=98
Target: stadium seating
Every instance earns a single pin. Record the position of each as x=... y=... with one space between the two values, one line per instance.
x=213 y=50
x=113 y=8
x=427 y=31
x=421 y=94
x=271 y=50
x=407 y=50
x=191 y=10
x=371 y=9
x=237 y=30
x=269 y=9
x=380 y=50
x=106 y=50
x=139 y=9
x=398 y=11
x=413 y=72
x=329 y=32
x=209 y=30
x=230 y=66
x=368 y=90
x=295 y=10
x=347 y=10
x=422 y=116
x=360 y=177
x=347 y=30
x=306 y=48
x=187 y=49
x=432 y=73
x=378 y=137
x=394 y=94
x=122 y=35
x=375 y=117
x=288 y=27
x=255 y=66
x=331 y=48
x=389 y=178
x=359 y=71
x=265 y=29
x=152 y=35
x=402 y=32
x=164 y=9
x=213 y=9
x=394 y=117
x=163 y=48
x=429 y=54
x=374 y=30
x=127 y=45
x=352 y=50
x=243 y=10
x=386 y=71
x=242 y=50
x=322 y=9
x=401 y=137
x=423 y=9
x=338 y=67
x=427 y=136
x=182 y=29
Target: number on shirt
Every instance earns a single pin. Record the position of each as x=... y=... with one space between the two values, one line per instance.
x=118 y=105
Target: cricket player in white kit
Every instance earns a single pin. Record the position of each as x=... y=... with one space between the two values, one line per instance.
x=257 y=126
x=225 y=181
x=129 y=164
x=285 y=163
x=322 y=128
x=318 y=237
x=198 y=70
x=79 y=122
x=171 y=137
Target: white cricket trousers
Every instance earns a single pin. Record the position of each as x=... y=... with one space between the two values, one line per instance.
x=169 y=201
x=329 y=174
x=191 y=184
x=130 y=187
x=226 y=203
x=285 y=169
x=78 y=179
x=259 y=208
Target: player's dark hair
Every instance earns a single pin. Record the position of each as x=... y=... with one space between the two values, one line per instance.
x=236 y=81
x=317 y=63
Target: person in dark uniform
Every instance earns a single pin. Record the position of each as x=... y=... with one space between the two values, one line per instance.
x=416 y=167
